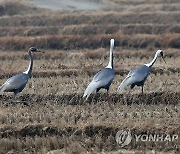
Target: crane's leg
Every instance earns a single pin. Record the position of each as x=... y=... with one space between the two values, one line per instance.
x=13 y=100
x=130 y=93
x=107 y=94
x=96 y=94
x=142 y=89
x=132 y=86
x=97 y=90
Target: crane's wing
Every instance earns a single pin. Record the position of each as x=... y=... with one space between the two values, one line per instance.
x=15 y=82
x=138 y=74
x=105 y=75
x=101 y=79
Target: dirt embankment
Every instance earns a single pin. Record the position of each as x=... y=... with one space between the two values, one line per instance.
x=69 y=5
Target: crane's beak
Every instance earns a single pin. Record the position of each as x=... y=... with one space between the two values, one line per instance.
x=39 y=51
x=163 y=57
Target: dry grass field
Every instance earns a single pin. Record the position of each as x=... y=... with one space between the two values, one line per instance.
x=52 y=117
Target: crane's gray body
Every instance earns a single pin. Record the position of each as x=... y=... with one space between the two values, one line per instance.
x=138 y=75
x=18 y=82
x=15 y=84
x=105 y=77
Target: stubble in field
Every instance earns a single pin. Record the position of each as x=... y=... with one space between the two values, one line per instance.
x=57 y=118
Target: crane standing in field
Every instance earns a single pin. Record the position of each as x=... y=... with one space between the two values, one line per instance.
x=138 y=75
x=18 y=82
x=103 y=78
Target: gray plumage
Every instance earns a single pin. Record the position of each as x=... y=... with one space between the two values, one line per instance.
x=15 y=84
x=138 y=76
x=18 y=82
x=103 y=78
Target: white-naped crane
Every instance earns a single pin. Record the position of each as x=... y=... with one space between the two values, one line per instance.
x=138 y=76
x=18 y=82
x=103 y=78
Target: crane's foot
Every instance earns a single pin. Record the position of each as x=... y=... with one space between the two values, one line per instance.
x=15 y=101
x=25 y=103
x=107 y=96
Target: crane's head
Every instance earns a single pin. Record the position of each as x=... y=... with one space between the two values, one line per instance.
x=160 y=53
x=34 y=49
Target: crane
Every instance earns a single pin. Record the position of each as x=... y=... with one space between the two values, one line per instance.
x=18 y=82
x=138 y=76
x=103 y=78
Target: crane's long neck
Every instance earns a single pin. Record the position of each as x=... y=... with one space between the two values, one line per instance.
x=110 y=64
x=153 y=61
x=29 y=70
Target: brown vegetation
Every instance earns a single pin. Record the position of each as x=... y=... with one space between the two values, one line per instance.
x=131 y=29
x=58 y=118
x=52 y=116
x=69 y=42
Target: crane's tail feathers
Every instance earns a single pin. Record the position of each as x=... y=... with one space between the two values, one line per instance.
x=2 y=88
x=90 y=89
x=124 y=84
